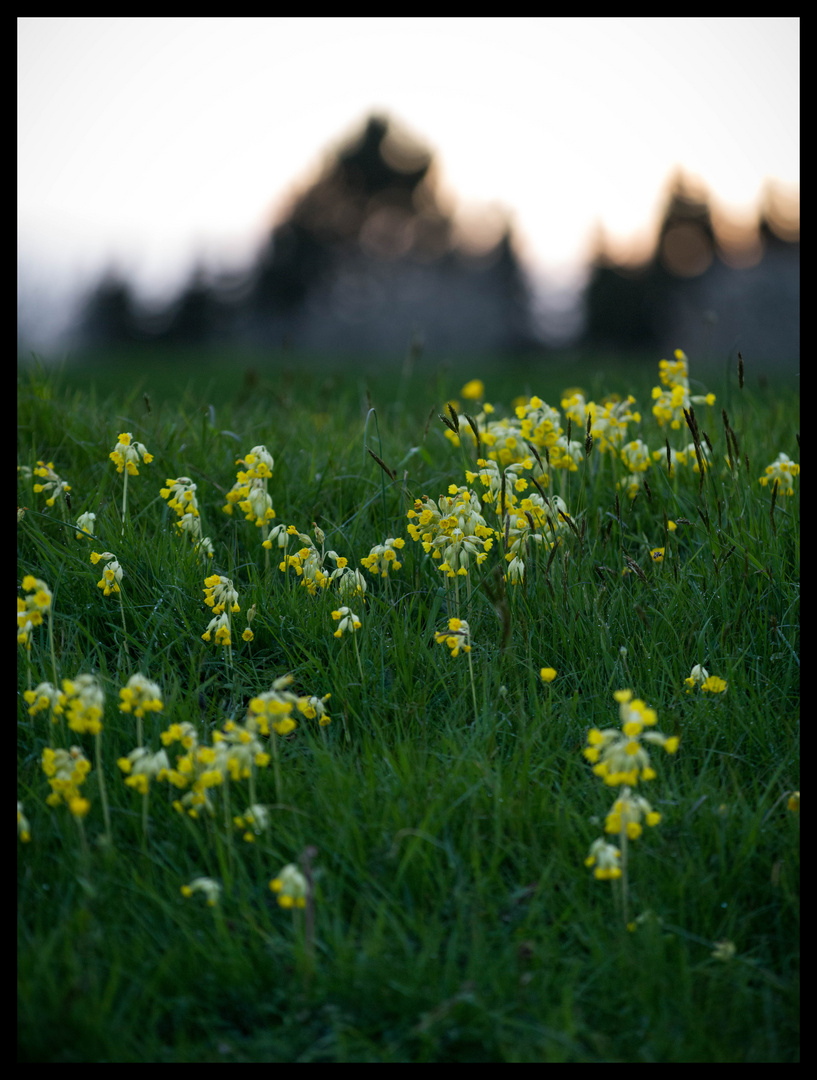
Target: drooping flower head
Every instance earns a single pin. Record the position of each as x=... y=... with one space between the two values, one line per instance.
x=782 y=470
x=127 y=454
x=84 y=703
x=620 y=757
x=206 y=885
x=50 y=484
x=347 y=621
x=605 y=859
x=457 y=637
x=111 y=575
x=290 y=887
x=140 y=696
x=30 y=610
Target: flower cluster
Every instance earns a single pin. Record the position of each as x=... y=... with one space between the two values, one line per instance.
x=290 y=887
x=45 y=696
x=140 y=696
x=80 y=700
x=31 y=609
x=383 y=557
x=249 y=491
x=699 y=677
x=49 y=483
x=111 y=575
x=457 y=637
x=452 y=530
x=782 y=472
x=347 y=621
x=221 y=595
x=254 y=821
x=141 y=766
x=608 y=418
x=127 y=454
x=620 y=759
x=67 y=771
x=273 y=709
x=83 y=702
x=308 y=561
x=670 y=403
x=181 y=498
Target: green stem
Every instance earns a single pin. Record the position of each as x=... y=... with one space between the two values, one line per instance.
x=473 y=688
x=103 y=791
x=124 y=501
x=276 y=766
x=357 y=654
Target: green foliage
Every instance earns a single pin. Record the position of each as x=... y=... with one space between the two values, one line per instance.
x=454 y=917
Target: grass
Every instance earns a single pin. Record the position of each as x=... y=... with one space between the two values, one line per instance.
x=454 y=916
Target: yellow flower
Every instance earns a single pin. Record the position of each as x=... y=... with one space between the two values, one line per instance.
x=474 y=390
x=547 y=674
x=347 y=621
x=210 y=888
x=457 y=638
x=290 y=886
x=657 y=555
x=605 y=858
x=126 y=454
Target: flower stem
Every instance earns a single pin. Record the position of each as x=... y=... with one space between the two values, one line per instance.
x=103 y=791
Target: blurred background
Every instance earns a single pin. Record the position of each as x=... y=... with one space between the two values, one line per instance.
x=359 y=187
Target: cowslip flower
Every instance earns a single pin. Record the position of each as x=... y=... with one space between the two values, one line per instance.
x=315 y=707
x=87 y=523
x=221 y=595
x=255 y=820
x=383 y=557
x=290 y=886
x=670 y=403
x=111 y=575
x=127 y=454
x=23 y=826
x=457 y=637
x=84 y=704
x=140 y=696
x=474 y=390
x=206 y=885
x=620 y=757
x=274 y=707
x=699 y=677
x=45 y=696
x=141 y=766
x=347 y=621
x=50 y=484
x=627 y=813
x=219 y=592
x=30 y=610
x=605 y=858
x=782 y=470
x=66 y=770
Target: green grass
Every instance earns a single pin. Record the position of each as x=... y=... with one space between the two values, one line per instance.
x=454 y=917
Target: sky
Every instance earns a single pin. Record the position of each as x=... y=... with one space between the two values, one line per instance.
x=150 y=144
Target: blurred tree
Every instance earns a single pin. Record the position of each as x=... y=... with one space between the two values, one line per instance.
x=109 y=315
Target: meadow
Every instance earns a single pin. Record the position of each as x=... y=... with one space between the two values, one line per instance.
x=410 y=716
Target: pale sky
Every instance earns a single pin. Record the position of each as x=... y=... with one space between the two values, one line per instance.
x=149 y=143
